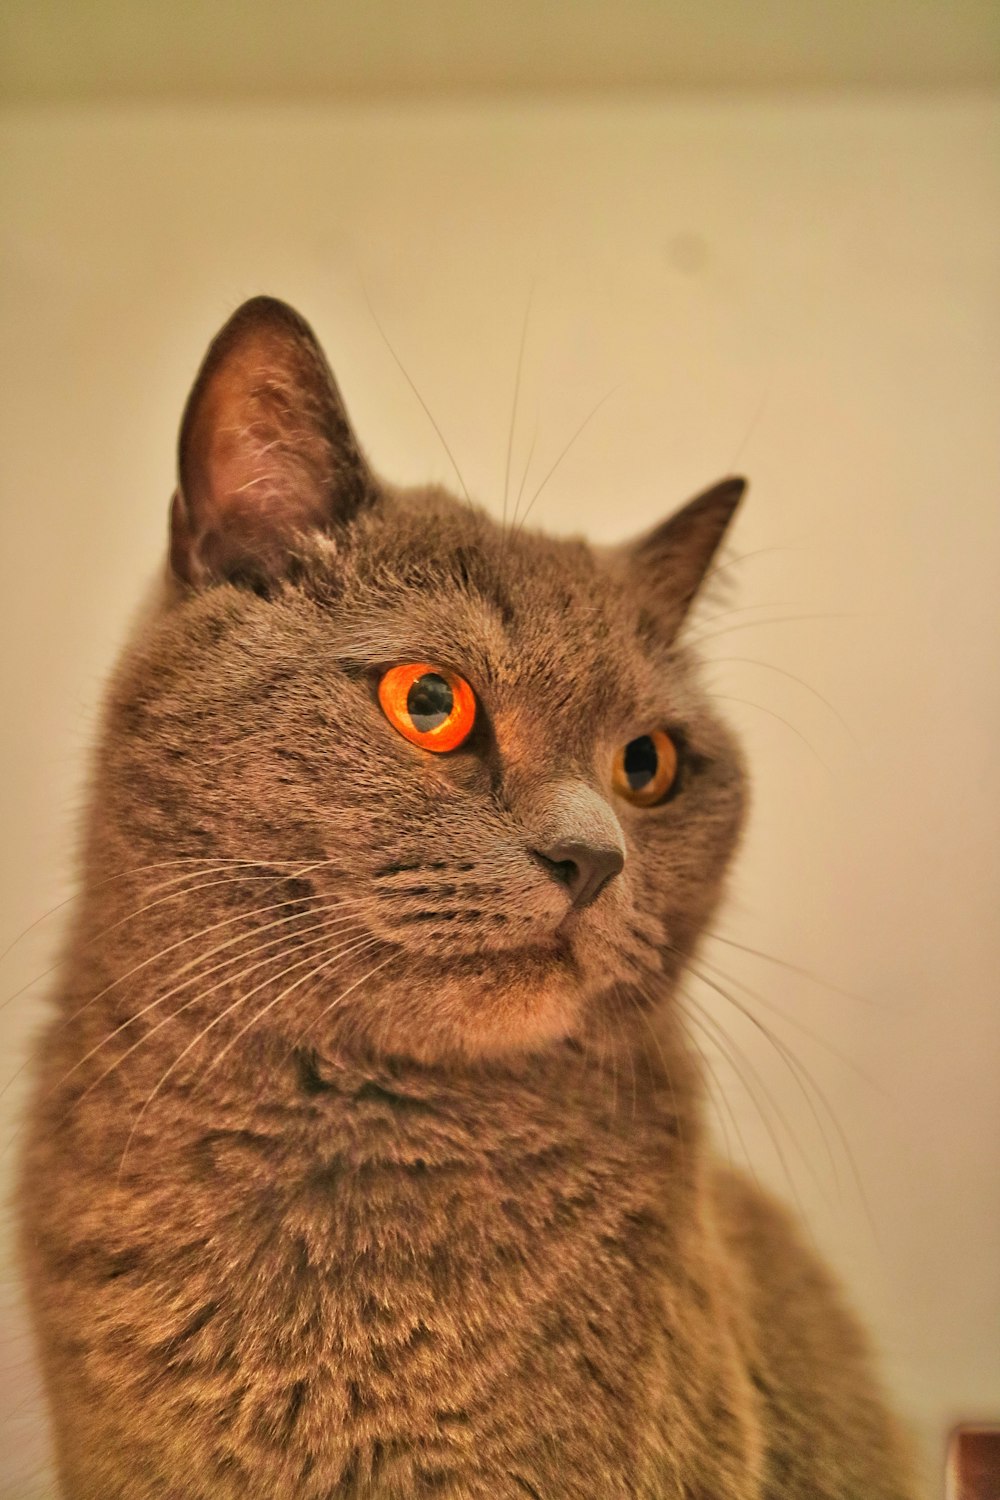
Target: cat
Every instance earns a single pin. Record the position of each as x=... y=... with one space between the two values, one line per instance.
x=367 y=1155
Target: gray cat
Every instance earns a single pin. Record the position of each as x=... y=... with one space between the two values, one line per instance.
x=367 y=1152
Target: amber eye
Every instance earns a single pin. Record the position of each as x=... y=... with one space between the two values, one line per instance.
x=430 y=706
x=646 y=768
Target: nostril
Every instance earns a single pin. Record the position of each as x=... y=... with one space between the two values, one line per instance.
x=563 y=869
x=583 y=868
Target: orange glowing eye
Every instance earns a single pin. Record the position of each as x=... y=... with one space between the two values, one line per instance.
x=428 y=705
x=645 y=770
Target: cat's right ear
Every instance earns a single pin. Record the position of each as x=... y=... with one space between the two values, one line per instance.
x=267 y=453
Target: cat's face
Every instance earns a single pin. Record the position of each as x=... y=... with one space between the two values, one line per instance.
x=508 y=890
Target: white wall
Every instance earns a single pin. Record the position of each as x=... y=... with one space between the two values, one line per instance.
x=804 y=290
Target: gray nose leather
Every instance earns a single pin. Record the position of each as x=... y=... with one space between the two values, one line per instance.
x=584 y=868
x=578 y=840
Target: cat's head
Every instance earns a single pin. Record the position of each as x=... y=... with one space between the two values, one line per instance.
x=488 y=746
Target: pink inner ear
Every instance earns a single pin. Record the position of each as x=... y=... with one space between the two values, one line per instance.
x=256 y=466
x=266 y=453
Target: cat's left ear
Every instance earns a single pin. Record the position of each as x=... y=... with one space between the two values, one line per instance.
x=669 y=563
x=267 y=453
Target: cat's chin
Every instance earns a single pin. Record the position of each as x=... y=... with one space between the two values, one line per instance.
x=484 y=1006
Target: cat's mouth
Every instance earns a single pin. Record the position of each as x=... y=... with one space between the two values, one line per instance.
x=460 y=986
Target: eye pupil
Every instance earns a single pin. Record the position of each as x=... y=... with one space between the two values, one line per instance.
x=641 y=762
x=429 y=702
x=644 y=771
x=430 y=706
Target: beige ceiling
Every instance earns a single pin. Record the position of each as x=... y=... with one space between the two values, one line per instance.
x=252 y=49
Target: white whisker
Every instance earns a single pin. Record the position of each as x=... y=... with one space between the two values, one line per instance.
x=204 y=932
x=518 y=525
x=156 y=864
x=427 y=411
x=325 y=926
x=240 y=1000
x=342 y=952
x=342 y=996
x=513 y=414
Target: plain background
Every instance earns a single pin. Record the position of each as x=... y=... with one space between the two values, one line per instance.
x=798 y=282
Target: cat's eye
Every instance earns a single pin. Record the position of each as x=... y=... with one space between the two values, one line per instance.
x=645 y=770
x=428 y=705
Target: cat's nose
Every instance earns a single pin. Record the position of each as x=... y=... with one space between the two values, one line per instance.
x=584 y=868
x=575 y=836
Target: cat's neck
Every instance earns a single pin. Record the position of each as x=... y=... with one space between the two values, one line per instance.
x=634 y=1101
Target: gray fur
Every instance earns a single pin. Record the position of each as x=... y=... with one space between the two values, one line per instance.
x=417 y=1203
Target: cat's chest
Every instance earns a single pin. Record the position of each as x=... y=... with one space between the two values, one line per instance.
x=452 y=1296
x=384 y=1287
x=388 y=1215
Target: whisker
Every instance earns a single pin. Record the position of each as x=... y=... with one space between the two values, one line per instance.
x=631 y=1059
x=743 y=609
x=719 y=1095
x=748 y=434
x=733 y=1054
x=767 y=666
x=194 y=963
x=326 y=925
x=813 y=1036
x=204 y=932
x=524 y=477
x=772 y=958
x=513 y=414
x=608 y=1051
x=653 y=1078
x=342 y=952
x=675 y=1105
x=205 y=885
x=732 y=562
x=175 y=895
x=427 y=411
x=802 y=1076
x=203 y=995
x=593 y=1042
x=137 y=870
x=520 y=524
x=240 y=1000
x=749 y=703
x=788 y=1057
x=342 y=996
x=704 y=640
